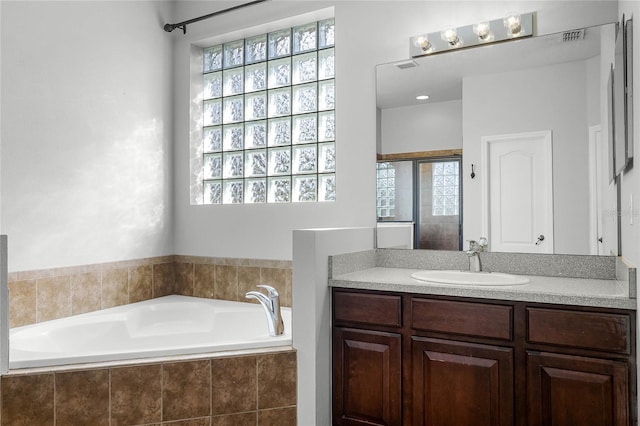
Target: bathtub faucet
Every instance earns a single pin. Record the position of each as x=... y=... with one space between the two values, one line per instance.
x=271 y=305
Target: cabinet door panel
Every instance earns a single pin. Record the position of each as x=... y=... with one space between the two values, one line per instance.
x=366 y=377
x=572 y=390
x=456 y=383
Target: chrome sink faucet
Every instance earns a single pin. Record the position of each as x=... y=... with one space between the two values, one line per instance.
x=271 y=305
x=475 y=247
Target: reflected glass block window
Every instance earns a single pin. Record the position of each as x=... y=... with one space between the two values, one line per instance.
x=386 y=187
x=446 y=197
x=269 y=117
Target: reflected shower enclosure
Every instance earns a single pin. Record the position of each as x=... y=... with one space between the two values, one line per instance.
x=427 y=192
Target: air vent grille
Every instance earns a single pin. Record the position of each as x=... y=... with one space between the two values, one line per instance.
x=406 y=64
x=573 y=35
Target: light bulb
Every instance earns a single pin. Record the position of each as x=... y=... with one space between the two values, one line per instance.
x=451 y=36
x=423 y=43
x=483 y=31
x=512 y=24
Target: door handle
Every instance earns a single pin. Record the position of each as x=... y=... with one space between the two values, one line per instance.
x=540 y=239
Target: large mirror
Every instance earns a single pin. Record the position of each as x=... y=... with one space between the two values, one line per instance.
x=531 y=118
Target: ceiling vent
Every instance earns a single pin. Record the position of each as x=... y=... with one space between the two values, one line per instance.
x=406 y=64
x=573 y=35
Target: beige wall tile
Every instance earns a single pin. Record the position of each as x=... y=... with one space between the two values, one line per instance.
x=140 y=283
x=53 y=298
x=240 y=419
x=164 y=279
x=28 y=400
x=22 y=303
x=277 y=380
x=277 y=417
x=86 y=293
x=248 y=279
x=136 y=395
x=186 y=390
x=226 y=282
x=279 y=278
x=82 y=398
x=204 y=280
x=210 y=277
x=184 y=279
x=234 y=382
x=205 y=421
x=115 y=287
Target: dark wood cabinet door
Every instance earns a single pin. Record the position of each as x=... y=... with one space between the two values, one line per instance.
x=457 y=383
x=566 y=390
x=367 y=380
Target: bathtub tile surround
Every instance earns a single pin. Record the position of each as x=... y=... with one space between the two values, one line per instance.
x=82 y=397
x=254 y=389
x=136 y=395
x=186 y=390
x=277 y=380
x=232 y=278
x=228 y=397
x=53 y=298
x=42 y=295
x=28 y=400
x=242 y=419
x=86 y=293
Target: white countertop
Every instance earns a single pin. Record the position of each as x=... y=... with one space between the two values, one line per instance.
x=558 y=290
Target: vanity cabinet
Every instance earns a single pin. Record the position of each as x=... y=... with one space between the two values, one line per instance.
x=412 y=359
x=591 y=387
x=367 y=364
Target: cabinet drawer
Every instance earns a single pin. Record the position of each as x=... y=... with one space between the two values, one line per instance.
x=586 y=330
x=472 y=319
x=375 y=309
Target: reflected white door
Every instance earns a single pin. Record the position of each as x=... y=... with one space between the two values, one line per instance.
x=518 y=192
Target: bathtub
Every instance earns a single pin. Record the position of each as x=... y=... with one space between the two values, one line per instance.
x=170 y=325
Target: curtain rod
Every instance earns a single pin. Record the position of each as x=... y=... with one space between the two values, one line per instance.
x=183 y=25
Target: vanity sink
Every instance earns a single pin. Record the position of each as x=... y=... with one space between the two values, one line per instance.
x=469 y=278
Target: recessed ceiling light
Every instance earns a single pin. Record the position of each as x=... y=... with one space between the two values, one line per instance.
x=422 y=97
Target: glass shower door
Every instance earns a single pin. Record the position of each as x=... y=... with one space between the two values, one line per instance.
x=439 y=210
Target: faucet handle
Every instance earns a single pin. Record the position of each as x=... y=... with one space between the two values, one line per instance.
x=270 y=290
x=483 y=242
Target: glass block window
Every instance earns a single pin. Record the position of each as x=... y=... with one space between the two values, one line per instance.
x=269 y=117
x=446 y=197
x=386 y=184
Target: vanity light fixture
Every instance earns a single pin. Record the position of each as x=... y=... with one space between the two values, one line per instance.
x=422 y=97
x=510 y=27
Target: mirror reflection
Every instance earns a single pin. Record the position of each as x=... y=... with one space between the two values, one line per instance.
x=530 y=120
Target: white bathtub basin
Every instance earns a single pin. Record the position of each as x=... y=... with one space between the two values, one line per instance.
x=166 y=326
x=469 y=278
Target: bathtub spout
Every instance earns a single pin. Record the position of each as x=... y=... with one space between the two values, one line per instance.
x=271 y=305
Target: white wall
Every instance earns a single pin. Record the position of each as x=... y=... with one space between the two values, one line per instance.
x=86 y=138
x=630 y=181
x=367 y=33
x=427 y=127
x=265 y=231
